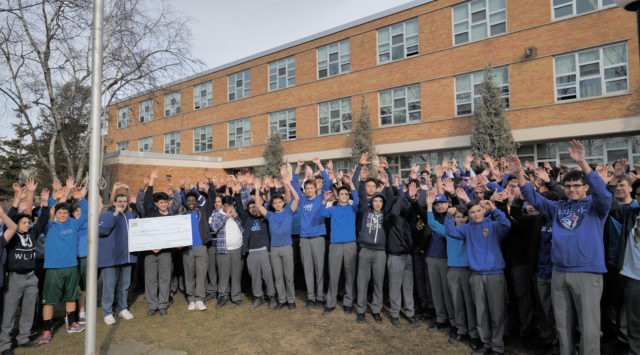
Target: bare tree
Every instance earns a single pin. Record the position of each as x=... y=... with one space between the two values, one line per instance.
x=46 y=47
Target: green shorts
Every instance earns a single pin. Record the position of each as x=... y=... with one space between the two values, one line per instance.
x=82 y=272
x=60 y=285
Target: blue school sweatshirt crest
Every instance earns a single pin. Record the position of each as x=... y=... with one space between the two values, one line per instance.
x=62 y=241
x=483 y=241
x=578 y=227
x=343 y=220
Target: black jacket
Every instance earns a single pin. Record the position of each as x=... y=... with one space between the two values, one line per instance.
x=21 y=251
x=400 y=239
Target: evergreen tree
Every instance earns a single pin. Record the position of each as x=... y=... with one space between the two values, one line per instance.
x=17 y=165
x=361 y=135
x=273 y=156
x=491 y=131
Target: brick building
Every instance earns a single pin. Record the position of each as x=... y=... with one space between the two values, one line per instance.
x=566 y=68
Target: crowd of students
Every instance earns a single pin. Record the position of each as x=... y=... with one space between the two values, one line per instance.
x=484 y=248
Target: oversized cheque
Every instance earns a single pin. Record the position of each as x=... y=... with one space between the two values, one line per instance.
x=159 y=233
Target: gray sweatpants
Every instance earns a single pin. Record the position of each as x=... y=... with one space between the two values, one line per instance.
x=230 y=266
x=547 y=325
x=259 y=269
x=195 y=262
x=437 y=269
x=157 y=279
x=342 y=254
x=464 y=309
x=282 y=266
x=371 y=262
x=212 y=269
x=489 y=297
x=400 y=268
x=312 y=256
x=21 y=291
x=583 y=291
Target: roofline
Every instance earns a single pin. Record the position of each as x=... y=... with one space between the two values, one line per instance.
x=325 y=33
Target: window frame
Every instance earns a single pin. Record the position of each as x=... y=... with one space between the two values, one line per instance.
x=406 y=106
x=124 y=144
x=178 y=103
x=176 y=146
x=487 y=22
x=121 y=122
x=208 y=91
x=287 y=72
x=246 y=85
x=473 y=94
x=140 y=106
x=142 y=140
x=275 y=121
x=404 y=41
x=342 y=122
x=339 y=61
x=246 y=120
x=574 y=9
x=601 y=75
x=208 y=139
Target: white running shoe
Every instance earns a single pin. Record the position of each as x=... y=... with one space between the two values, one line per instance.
x=200 y=306
x=109 y=320
x=192 y=306
x=125 y=314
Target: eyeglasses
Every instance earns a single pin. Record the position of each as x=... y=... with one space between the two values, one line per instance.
x=575 y=186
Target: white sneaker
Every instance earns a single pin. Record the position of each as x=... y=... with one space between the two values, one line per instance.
x=125 y=314
x=200 y=306
x=192 y=306
x=109 y=320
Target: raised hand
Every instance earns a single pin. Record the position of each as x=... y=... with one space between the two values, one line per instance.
x=16 y=187
x=515 y=167
x=383 y=161
x=364 y=159
x=497 y=196
x=308 y=173
x=451 y=211
x=327 y=196
x=71 y=182
x=462 y=195
x=44 y=196
x=31 y=185
x=431 y=198
x=576 y=151
x=62 y=194
x=487 y=205
x=603 y=172
x=316 y=161
x=542 y=174
x=208 y=174
x=153 y=175
x=284 y=173
x=439 y=171
x=427 y=168
x=257 y=184
x=448 y=186
x=413 y=190
x=329 y=165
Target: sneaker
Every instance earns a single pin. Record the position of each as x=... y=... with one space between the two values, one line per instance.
x=309 y=304
x=192 y=306
x=29 y=345
x=77 y=328
x=152 y=312
x=360 y=318
x=475 y=344
x=222 y=300
x=413 y=321
x=395 y=322
x=328 y=310
x=46 y=337
x=291 y=305
x=279 y=306
x=273 y=302
x=200 y=306
x=318 y=305
x=125 y=314
x=437 y=326
x=163 y=312
x=257 y=302
x=238 y=303
x=348 y=310
x=455 y=339
x=377 y=318
x=109 y=320
x=82 y=316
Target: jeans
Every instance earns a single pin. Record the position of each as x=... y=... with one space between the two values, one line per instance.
x=115 y=282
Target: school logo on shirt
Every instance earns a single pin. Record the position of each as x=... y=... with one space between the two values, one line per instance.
x=308 y=207
x=256 y=226
x=570 y=222
x=485 y=232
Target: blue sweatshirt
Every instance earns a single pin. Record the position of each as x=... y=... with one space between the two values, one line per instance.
x=280 y=226
x=113 y=245
x=195 y=229
x=456 y=249
x=437 y=247
x=83 y=234
x=62 y=241
x=544 y=266
x=343 y=220
x=483 y=241
x=578 y=227
x=311 y=223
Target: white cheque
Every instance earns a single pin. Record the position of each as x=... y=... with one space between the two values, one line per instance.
x=159 y=233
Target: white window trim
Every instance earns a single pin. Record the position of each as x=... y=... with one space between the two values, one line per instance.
x=195 y=88
x=126 y=143
x=177 y=148
x=243 y=133
x=286 y=66
x=404 y=42
x=289 y=119
x=339 y=55
x=407 y=122
x=244 y=88
x=468 y=4
x=126 y=123
x=206 y=138
x=177 y=109
x=573 y=2
x=604 y=93
x=341 y=113
x=140 y=141
x=473 y=106
x=150 y=111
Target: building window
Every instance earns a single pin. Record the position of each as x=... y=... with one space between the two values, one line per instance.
x=202 y=95
x=122 y=146
x=240 y=133
x=398 y=41
x=202 y=139
x=123 y=117
x=400 y=105
x=479 y=19
x=172 y=143
x=146 y=110
x=401 y=164
x=282 y=73
x=564 y=8
x=334 y=59
x=172 y=104
x=284 y=123
x=335 y=116
x=239 y=85
x=145 y=144
x=592 y=72
x=468 y=89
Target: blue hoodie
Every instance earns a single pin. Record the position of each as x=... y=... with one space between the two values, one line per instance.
x=83 y=234
x=456 y=249
x=343 y=220
x=578 y=227
x=483 y=241
x=311 y=223
x=113 y=245
x=62 y=240
x=437 y=247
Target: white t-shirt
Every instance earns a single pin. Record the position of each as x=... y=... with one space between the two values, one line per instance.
x=631 y=264
x=233 y=234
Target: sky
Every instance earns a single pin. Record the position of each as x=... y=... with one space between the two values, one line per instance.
x=227 y=30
